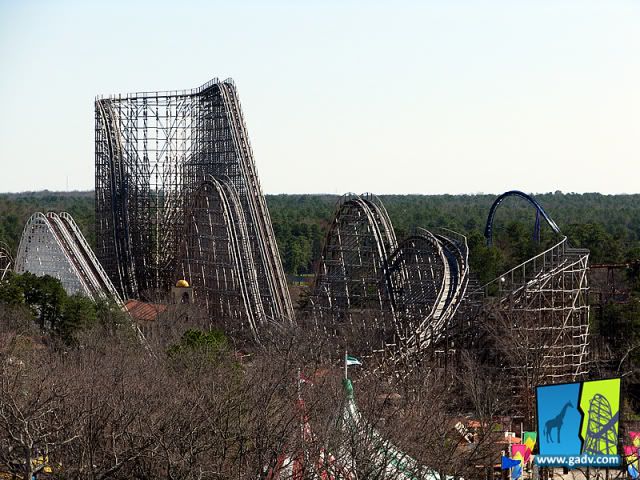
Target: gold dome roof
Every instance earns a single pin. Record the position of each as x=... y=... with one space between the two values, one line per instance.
x=182 y=284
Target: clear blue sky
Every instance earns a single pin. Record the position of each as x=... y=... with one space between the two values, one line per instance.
x=391 y=97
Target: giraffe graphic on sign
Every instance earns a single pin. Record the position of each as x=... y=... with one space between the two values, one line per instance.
x=556 y=422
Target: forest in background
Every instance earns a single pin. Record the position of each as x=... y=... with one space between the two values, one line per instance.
x=608 y=225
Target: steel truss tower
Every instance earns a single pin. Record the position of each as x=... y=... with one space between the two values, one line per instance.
x=160 y=155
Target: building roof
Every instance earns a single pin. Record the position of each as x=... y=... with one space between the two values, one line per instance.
x=144 y=311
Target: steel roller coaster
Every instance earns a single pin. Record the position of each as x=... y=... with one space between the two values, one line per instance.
x=488 y=231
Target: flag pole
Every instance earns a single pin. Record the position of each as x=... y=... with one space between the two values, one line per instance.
x=346 y=375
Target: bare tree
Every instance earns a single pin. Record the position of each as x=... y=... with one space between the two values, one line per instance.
x=113 y=408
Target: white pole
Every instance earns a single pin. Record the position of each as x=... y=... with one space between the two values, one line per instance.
x=522 y=442
x=346 y=375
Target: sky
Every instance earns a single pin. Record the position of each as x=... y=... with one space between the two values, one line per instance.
x=339 y=96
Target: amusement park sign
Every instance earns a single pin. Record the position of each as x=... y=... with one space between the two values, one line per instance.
x=578 y=424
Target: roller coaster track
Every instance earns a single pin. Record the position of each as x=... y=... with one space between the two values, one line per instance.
x=264 y=239
x=488 y=231
x=161 y=156
x=542 y=306
x=544 y=301
x=53 y=245
x=416 y=285
x=436 y=273
x=120 y=240
x=100 y=280
x=353 y=273
x=6 y=260
x=216 y=256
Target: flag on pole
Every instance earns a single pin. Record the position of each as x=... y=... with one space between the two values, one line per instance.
x=517 y=453
x=508 y=463
x=352 y=361
x=529 y=439
x=632 y=454
x=349 y=361
x=631 y=458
